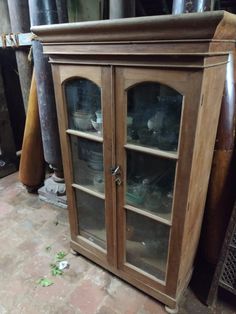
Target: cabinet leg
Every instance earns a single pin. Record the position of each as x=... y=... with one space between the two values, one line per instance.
x=172 y=310
x=73 y=252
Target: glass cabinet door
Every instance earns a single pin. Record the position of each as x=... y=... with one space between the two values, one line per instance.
x=84 y=106
x=148 y=154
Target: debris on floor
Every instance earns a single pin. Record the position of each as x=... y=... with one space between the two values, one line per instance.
x=30 y=242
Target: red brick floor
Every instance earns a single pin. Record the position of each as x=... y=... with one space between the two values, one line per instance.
x=27 y=227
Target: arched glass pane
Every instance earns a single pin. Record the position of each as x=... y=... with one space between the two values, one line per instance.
x=83 y=99
x=153 y=116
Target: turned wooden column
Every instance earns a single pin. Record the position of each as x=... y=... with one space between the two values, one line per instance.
x=53 y=191
x=20 y=23
x=122 y=8
x=32 y=164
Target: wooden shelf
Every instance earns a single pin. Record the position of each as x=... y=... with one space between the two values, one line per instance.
x=88 y=190
x=156 y=217
x=87 y=135
x=152 y=151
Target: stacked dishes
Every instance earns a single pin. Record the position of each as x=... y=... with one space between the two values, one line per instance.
x=95 y=161
x=82 y=120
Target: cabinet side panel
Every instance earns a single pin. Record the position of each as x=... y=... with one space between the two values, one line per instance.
x=208 y=116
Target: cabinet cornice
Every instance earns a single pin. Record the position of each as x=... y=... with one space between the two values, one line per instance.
x=216 y=25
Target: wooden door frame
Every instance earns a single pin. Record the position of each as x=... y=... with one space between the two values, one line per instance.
x=101 y=76
x=180 y=81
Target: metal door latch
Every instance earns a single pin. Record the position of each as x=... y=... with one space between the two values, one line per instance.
x=115 y=171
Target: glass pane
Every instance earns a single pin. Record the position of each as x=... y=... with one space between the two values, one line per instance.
x=84 y=105
x=87 y=157
x=147 y=244
x=91 y=216
x=150 y=182
x=153 y=118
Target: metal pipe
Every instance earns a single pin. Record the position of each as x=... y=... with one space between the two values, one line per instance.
x=188 y=6
x=122 y=8
x=62 y=11
x=45 y=12
x=178 y=6
x=20 y=23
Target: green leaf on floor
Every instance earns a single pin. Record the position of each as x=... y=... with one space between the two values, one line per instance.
x=55 y=271
x=60 y=255
x=45 y=282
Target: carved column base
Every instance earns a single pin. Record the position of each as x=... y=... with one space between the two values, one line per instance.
x=6 y=167
x=54 y=191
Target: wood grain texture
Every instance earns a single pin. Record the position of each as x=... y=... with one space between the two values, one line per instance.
x=212 y=90
x=221 y=193
x=32 y=164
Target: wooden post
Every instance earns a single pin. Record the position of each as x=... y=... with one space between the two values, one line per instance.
x=122 y=8
x=19 y=17
x=53 y=191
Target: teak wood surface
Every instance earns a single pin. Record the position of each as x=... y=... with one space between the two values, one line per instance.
x=188 y=53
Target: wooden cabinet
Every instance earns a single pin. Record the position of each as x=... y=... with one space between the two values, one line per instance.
x=138 y=103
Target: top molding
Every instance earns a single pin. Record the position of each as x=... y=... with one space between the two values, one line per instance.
x=215 y=25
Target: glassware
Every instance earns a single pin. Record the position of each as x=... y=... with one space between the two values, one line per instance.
x=87 y=159
x=84 y=103
x=156 y=111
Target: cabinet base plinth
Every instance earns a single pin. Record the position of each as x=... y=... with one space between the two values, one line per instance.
x=73 y=252
x=172 y=310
